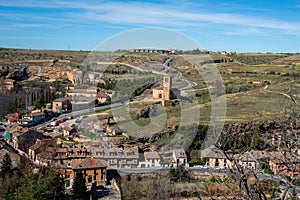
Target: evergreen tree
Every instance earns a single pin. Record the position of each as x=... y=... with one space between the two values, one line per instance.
x=39 y=102
x=6 y=166
x=79 y=187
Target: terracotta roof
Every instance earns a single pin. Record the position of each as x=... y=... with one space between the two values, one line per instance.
x=88 y=163
x=44 y=143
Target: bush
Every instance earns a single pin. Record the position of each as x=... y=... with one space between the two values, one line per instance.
x=212 y=179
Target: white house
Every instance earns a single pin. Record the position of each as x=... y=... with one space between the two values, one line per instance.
x=152 y=159
x=34 y=118
x=247 y=161
x=179 y=157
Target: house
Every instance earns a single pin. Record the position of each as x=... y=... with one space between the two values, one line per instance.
x=61 y=104
x=94 y=77
x=63 y=156
x=287 y=165
x=247 y=161
x=94 y=170
x=69 y=131
x=88 y=92
x=102 y=97
x=152 y=159
x=113 y=130
x=46 y=157
x=10 y=84
x=13 y=118
x=215 y=157
x=179 y=157
x=41 y=145
x=116 y=157
x=22 y=138
x=33 y=118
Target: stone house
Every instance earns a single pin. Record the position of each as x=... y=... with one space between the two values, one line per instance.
x=215 y=157
x=61 y=104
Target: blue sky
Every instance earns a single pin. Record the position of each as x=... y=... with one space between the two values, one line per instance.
x=234 y=25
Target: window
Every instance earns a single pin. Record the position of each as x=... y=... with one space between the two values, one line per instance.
x=89 y=179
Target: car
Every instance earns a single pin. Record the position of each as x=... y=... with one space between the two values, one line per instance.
x=282 y=183
x=65 y=119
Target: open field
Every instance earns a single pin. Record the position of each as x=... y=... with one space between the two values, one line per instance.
x=247 y=99
x=244 y=77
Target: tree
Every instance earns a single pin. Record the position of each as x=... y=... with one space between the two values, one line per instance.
x=39 y=102
x=51 y=187
x=177 y=174
x=79 y=187
x=6 y=168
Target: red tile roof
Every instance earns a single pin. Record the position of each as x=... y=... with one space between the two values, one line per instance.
x=88 y=163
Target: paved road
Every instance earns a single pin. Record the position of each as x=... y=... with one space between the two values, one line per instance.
x=166 y=169
x=78 y=112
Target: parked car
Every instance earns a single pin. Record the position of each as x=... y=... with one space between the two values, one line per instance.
x=65 y=119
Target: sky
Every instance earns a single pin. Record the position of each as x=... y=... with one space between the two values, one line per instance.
x=232 y=25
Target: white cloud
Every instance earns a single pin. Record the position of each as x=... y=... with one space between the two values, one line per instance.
x=134 y=13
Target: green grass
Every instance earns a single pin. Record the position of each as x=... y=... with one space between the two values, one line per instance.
x=275 y=183
x=163 y=141
x=64 y=139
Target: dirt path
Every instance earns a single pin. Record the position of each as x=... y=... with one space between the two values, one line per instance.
x=281 y=93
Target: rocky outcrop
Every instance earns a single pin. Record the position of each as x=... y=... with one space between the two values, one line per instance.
x=4 y=71
x=19 y=73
